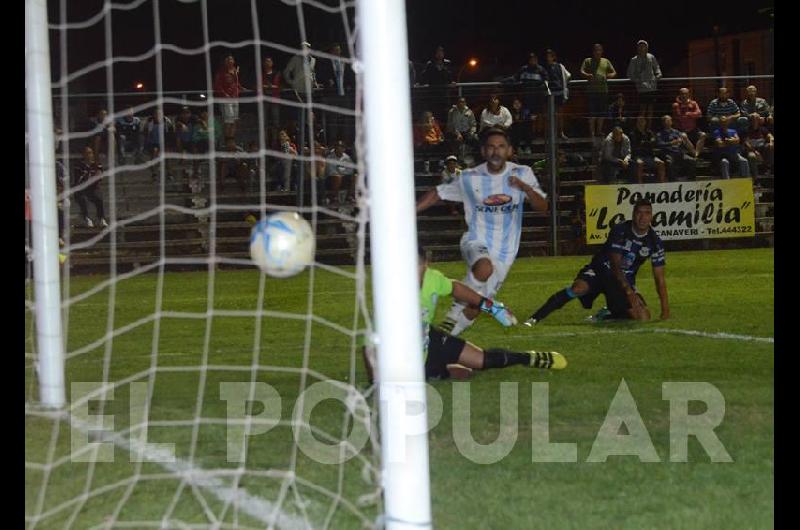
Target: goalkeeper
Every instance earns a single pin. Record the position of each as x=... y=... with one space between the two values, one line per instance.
x=442 y=351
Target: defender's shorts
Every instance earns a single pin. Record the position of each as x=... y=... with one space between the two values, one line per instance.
x=601 y=281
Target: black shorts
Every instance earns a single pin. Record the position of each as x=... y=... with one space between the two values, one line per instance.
x=603 y=282
x=443 y=349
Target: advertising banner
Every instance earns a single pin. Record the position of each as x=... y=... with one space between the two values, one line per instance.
x=681 y=210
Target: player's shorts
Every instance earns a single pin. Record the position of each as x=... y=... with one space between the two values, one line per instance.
x=443 y=349
x=230 y=112
x=603 y=282
x=472 y=251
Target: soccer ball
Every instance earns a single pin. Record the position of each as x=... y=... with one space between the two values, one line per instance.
x=282 y=244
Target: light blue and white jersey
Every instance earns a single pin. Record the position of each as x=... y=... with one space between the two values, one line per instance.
x=492 y=207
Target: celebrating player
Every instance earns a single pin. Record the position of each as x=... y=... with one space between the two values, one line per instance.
x=445 y=354
x=613 y=269
x=493 y=194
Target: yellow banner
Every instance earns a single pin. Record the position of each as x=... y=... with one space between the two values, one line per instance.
x=681 y=210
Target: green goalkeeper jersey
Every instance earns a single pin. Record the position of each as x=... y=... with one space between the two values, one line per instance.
x=434 y=284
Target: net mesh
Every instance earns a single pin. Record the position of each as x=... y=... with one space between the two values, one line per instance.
x=191 y=378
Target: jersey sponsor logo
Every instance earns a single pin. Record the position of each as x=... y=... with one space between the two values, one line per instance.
x=497 y=200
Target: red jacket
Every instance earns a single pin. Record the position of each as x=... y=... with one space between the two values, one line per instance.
x=226 y=84
x=686 y=114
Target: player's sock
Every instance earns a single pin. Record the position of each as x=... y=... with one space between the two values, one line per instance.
x=557 y=301
x=500 y=358
x=461 y=323
x=455 y=322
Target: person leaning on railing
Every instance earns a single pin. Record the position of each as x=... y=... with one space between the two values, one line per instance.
x=597 y=70
x=558 y=78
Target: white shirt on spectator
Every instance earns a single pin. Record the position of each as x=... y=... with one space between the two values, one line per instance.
x=336 y=165
x=489 y=119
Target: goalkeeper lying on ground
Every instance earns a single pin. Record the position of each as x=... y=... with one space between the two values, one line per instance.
x=446 y=355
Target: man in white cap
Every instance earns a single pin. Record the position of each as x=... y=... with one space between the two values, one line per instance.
x=300 y=69
x=643 y=69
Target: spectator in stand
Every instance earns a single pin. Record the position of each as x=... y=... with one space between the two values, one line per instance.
x=289 y=149
x=644 y=71
x=686 y=112
x=232 y=166
x=156 y=133
x=227 y=87
x=643 y=143
x=339 y=167
x=722 y=107
x=727 y=149
x=677 y=152
x=558 y=77
x=438 y=75
x=495 y=115
x=271 y=87
x=759 y=144
x=461 y=127
x=532 y=76
x=301 y=70
x=521 y=131
x=331 y=75
x=451 y=173
x=204 y=131
x=619 y=113
x=752 y=104
x=616 y=155
x=87 y=175
x=427 y=133
x=129 y=131
x=184 y=123
x=598 y=70
x=438 y=71
x=104 y=137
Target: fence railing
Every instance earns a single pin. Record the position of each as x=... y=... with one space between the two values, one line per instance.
x=550 y=114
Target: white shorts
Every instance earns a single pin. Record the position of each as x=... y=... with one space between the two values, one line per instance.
x=472 y=251
x=230 y=112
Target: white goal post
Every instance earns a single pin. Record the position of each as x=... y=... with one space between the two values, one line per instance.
x=384 y=49
x=41 y=161
x=383 y=71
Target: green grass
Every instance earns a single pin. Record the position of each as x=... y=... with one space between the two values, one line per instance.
x=722 y=291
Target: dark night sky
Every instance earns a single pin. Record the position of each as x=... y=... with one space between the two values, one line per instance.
x=499 y=33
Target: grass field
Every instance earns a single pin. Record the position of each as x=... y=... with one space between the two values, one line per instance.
x=725 y=295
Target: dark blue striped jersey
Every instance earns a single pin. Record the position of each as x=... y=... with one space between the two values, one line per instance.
x=633 y=248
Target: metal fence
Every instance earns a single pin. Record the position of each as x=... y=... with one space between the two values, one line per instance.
x=550 y=116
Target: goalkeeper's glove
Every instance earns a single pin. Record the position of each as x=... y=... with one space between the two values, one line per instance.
x=500 y=312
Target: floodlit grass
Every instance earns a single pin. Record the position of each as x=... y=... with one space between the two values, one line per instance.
x=712 y=292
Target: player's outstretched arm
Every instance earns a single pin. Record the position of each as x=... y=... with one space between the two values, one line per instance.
x=661 y=288
x=499 y=312
x=429 y=199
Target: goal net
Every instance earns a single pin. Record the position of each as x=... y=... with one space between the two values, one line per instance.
x=200 y=393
